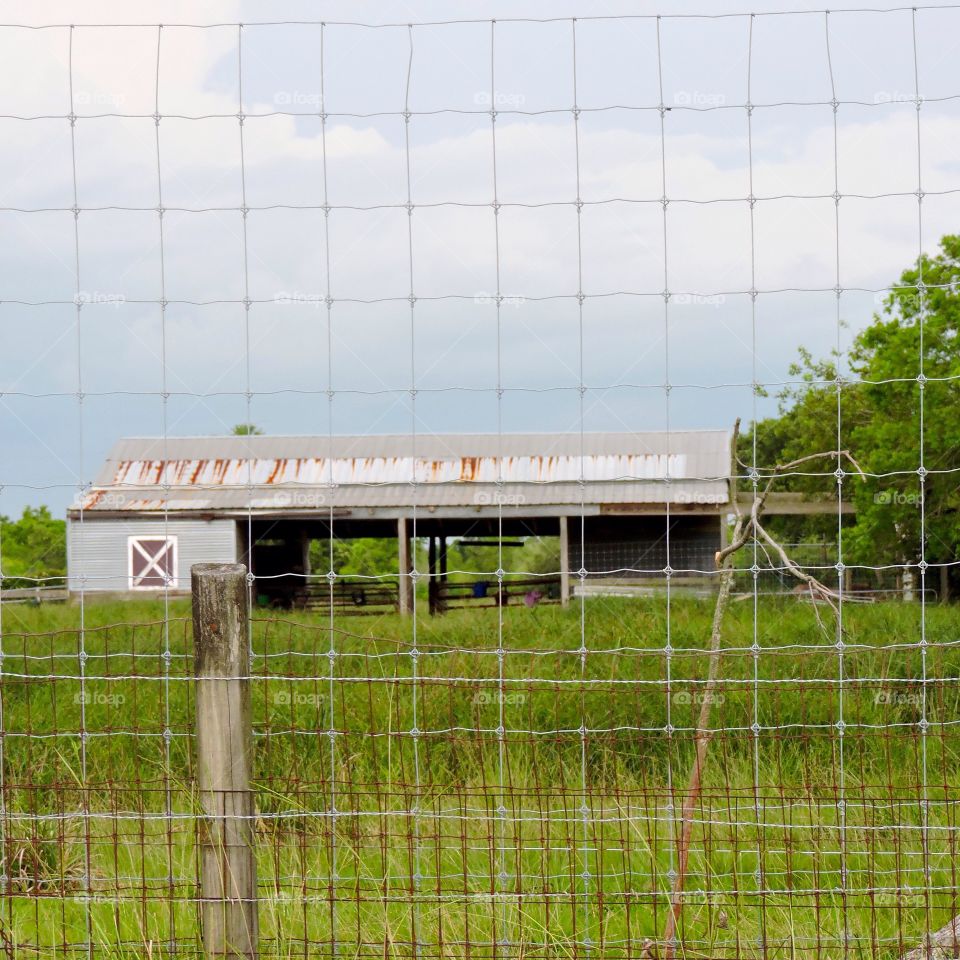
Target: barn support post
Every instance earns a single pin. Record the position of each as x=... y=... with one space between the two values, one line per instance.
x=907 y=588
x=432 y=574
x=243 y=545
x=564 y=562
x=305 y=554
x=224 y=738
x=405 y=566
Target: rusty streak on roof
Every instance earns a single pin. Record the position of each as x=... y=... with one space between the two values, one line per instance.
x=319 y=473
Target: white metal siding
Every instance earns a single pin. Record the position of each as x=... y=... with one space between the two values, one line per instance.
x=97 y=548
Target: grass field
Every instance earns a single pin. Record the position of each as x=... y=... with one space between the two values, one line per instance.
x=396 y=820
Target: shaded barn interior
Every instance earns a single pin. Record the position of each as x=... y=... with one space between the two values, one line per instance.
x=640 y=547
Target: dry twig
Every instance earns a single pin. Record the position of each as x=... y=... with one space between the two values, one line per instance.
x=745 y=529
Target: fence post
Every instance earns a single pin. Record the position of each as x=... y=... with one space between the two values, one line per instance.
x=403 y=557
x=224 y=737
x=564 y=561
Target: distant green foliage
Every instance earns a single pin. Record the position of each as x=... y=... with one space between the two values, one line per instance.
x=537 y=555
x=364 y=556
x=246 y=430
x=32 y=548
x=374 y=556
x=883 y=423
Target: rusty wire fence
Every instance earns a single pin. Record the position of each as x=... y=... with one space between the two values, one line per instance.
x=613 y=777
x=413 y=800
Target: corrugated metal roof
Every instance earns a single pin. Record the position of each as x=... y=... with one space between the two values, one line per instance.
x=319 y=473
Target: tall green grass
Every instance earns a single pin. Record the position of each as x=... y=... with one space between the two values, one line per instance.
x=825 y=827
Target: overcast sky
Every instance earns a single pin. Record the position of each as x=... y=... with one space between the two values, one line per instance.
x=207 y=353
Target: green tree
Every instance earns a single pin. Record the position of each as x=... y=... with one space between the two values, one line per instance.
x=33 y=547
x=899 y=408
x=372 y=557
x=246 y=430
x=806 y=422
x=908 y=363
x=363 y=556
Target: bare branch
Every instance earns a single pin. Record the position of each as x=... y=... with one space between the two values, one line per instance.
x=702 y=741
x=744 y=529
x=944 y=943
x=781 y=468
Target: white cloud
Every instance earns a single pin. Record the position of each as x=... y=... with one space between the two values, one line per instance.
x=619 y=247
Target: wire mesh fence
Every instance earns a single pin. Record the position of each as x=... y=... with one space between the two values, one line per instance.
x=443 y=813
x=634 y=723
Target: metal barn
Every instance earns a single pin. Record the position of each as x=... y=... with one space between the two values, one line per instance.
x=614 y=500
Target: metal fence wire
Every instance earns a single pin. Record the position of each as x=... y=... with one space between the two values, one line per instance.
x=617 y=777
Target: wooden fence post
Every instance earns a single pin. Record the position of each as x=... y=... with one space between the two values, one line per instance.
x=224 y=736
x=403 y=557
x=564 y=561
